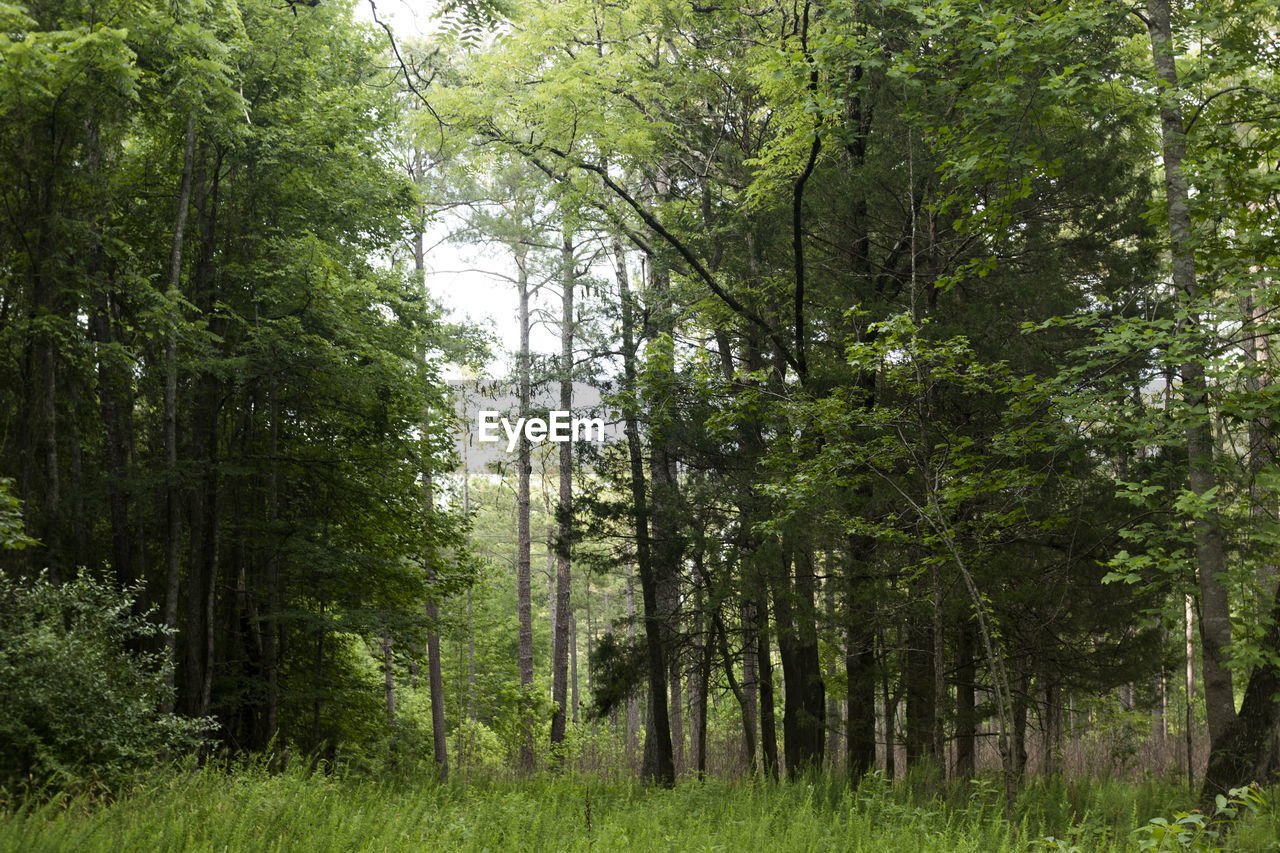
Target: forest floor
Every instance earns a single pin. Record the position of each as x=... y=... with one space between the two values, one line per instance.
x=249 y=810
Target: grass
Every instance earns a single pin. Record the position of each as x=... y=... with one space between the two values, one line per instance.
x=250 y=810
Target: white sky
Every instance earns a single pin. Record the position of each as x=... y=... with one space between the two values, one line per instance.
x=469 y=281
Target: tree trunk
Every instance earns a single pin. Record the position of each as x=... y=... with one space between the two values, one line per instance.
x=768 y=726
x=174 y=499
x=564 y=509
x=860 y=663
x=389 y=682
x=1246 y=752
x=633 y=701
x=573 y=666
x=750 y=680
x=1215 y=612
x=889 y=704
x=966 y=704
x=524 y=468
x=658 y=765
x=435 y=674
x=918 y=682
x=271 y=633
x=834 y=720
x=804 y=694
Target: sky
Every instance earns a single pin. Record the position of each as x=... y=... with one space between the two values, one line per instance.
x=468 y=281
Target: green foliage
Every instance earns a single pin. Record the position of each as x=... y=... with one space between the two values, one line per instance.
x=1196 y=831
x=13 y=536
x=77 y=705
x=250 y=809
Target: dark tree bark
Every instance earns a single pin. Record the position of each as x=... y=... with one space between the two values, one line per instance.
x=918 y=682
x=768 y=724
x=804 y=693
x=659 y=761
x=564 y=508
x=860 y=663
x=173 y=491
x=1215 y=611
x=966 y=704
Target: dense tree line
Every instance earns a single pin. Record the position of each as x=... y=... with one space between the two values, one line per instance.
x=937 y=337
x=920 y=365
x=212 y=375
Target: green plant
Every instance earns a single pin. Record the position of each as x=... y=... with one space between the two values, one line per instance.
x=1194 y=830
x=77 y=705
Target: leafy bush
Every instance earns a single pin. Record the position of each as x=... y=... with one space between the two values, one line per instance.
x=76 y=704
x=1196 y=831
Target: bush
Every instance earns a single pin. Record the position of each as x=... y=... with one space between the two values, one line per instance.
x=76 y=705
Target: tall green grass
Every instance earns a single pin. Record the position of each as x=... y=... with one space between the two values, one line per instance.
x=249 y=809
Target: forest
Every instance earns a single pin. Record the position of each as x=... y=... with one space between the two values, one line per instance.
x=935 y=499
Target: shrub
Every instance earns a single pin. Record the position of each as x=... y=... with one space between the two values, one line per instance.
x=76 y=704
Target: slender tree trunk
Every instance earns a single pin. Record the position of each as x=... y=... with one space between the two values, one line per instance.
x=889 y=703
x=214 y=537
x=633 y=701
x=659 y=761
x=471 y=633
x=1188 y=711
x=435 y=673
x=564 y=509
x=524 y=469
x=750 y=680
x=699 y=691
x=834 y=720
x=804 y=699
x=174 y=497
x=271 y=634
x=860 y=662
x=918 y=681
x=745 y=702
x=938 y=744
x=573 y=666
x=389 y=682
x=116 y=405
x=966 y=704
x=768 y=726
x=1215 y=612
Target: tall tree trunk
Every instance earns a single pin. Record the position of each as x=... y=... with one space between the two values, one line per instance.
x=1215 y=612
x=633 y=701
x=564 y=509
x=768 y=725
x=860 y=662
x=834 y=719
x=271 y=633
x=524 y=469
x=918 y=681
x=116 y=405
x=889 y=705
x=804 y=694
x=174 y=497
x=389 y=687
x=1188 y=712
x=966 y=704
x=435 y=674
x=573 y=666
x=659 y=761
x=750 y=682
x=745 y=703
x=699 y=690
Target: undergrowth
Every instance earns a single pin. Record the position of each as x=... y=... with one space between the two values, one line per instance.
x=248 y=808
